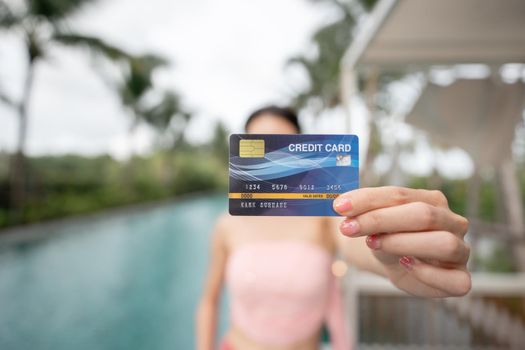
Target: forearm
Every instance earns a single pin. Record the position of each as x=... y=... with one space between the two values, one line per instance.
x=206 y=325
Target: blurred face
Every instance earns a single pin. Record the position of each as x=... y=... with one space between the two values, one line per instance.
x=270 y=124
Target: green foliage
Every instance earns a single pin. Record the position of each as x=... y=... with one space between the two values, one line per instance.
x=160 y=115
x=199 y=172
x=456 y=193
x=498 y=258
x=7 y=17
x=454 y=190
x=70 y=185
x=40 y=25
x=498 y=261
x=160 y=109
x=488 y=206
x=521 y=180
x=330 y=43
x=53 y=10
x=219 y=144
x=139 y=79
x=94 y=44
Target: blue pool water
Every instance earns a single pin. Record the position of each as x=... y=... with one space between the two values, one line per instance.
x=129 y=280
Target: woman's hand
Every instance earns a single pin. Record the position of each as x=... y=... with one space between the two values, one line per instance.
x=414 y=234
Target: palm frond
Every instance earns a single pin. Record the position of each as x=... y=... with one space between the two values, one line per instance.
x=146 y=64
x=331 y=41
x=35 y=47
x=8 y=18
x=322 y=70
x=368 y=4
x=94 y=44
x=138 y=79
x=55 y=10
x=7 y=100
x=160 y=115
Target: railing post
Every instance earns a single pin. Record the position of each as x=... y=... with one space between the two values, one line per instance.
x=352 y=303
x=514 y=209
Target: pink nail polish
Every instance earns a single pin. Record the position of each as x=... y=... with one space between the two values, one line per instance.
x=407 y=262
x=350 y=227
x=373 y=241
x=342 y=204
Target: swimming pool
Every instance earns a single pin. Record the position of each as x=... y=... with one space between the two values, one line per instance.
x=127 y=280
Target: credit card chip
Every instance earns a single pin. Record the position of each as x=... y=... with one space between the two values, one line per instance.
x=251 y=148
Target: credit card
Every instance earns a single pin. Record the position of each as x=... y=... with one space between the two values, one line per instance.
x=291 y=175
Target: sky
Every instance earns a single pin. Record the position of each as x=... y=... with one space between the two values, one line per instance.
x=227 y=58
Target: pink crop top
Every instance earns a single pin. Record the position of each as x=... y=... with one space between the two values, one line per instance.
x=281 y=292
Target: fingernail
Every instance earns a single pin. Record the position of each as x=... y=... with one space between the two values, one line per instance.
x=349 y=227
x=407 y=262
x=373 y=241
x=342 y=204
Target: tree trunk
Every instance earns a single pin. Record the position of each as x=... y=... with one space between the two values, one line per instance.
x=17 y=169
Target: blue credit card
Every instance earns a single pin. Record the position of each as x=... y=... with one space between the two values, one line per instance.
x=291 y=175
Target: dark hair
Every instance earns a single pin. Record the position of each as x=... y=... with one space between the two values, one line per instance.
x=282 y=112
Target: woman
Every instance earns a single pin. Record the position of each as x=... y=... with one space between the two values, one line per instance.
x=278 y=268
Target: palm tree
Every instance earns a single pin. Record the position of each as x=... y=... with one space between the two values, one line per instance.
x=160 y=109
x=323 y=69
x=331 y=42
x=41 y=24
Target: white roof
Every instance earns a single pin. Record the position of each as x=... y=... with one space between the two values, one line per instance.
x=477 y=115
x=400 y=33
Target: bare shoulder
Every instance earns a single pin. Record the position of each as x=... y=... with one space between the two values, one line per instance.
x=331 y=226
x=222 y=228
x=223 y=222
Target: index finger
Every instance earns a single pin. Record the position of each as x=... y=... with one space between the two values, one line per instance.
x=360 y=201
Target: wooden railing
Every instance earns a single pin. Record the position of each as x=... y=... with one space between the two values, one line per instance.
x=477 y=323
